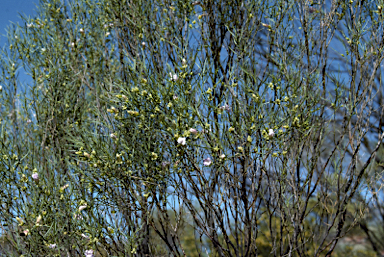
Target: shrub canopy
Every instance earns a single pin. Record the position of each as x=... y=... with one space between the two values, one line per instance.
x=189 y=128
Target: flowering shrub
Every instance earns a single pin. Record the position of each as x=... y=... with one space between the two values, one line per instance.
x=143 y=119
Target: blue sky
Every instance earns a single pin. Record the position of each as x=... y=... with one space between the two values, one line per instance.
x=10 y=11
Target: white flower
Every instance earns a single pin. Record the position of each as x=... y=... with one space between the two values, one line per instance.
x=29 y=121
x=81 y=30
x=184 y=61
x=52 y=246
x=35 y=176
x=193 y=131
x=89 y=253
x=38 y=219
x=106 y=25
x=85 y=236
x=82 y=207
x=43 y=49
x=107 y=34
x=1 y=88
x=73 y=44
x=222 y=156
x=112 y=135
x=29 y=25
x=271 y=133
x=174 y=77
x=207 y=161
x=207 y=131
x=143 y=44
x=175 y=97
x=181 y=140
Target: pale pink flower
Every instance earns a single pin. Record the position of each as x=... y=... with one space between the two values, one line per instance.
x=207 y=161
x=165 y=164
x=52 y=246
x=225 y=107
x=89 y=253
x=266 y=25
x=35 y=176
x=182 y=140
x=79 y=217
x=193 y=131
x=26 y=232
x=312 y=10
x=174 y=77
